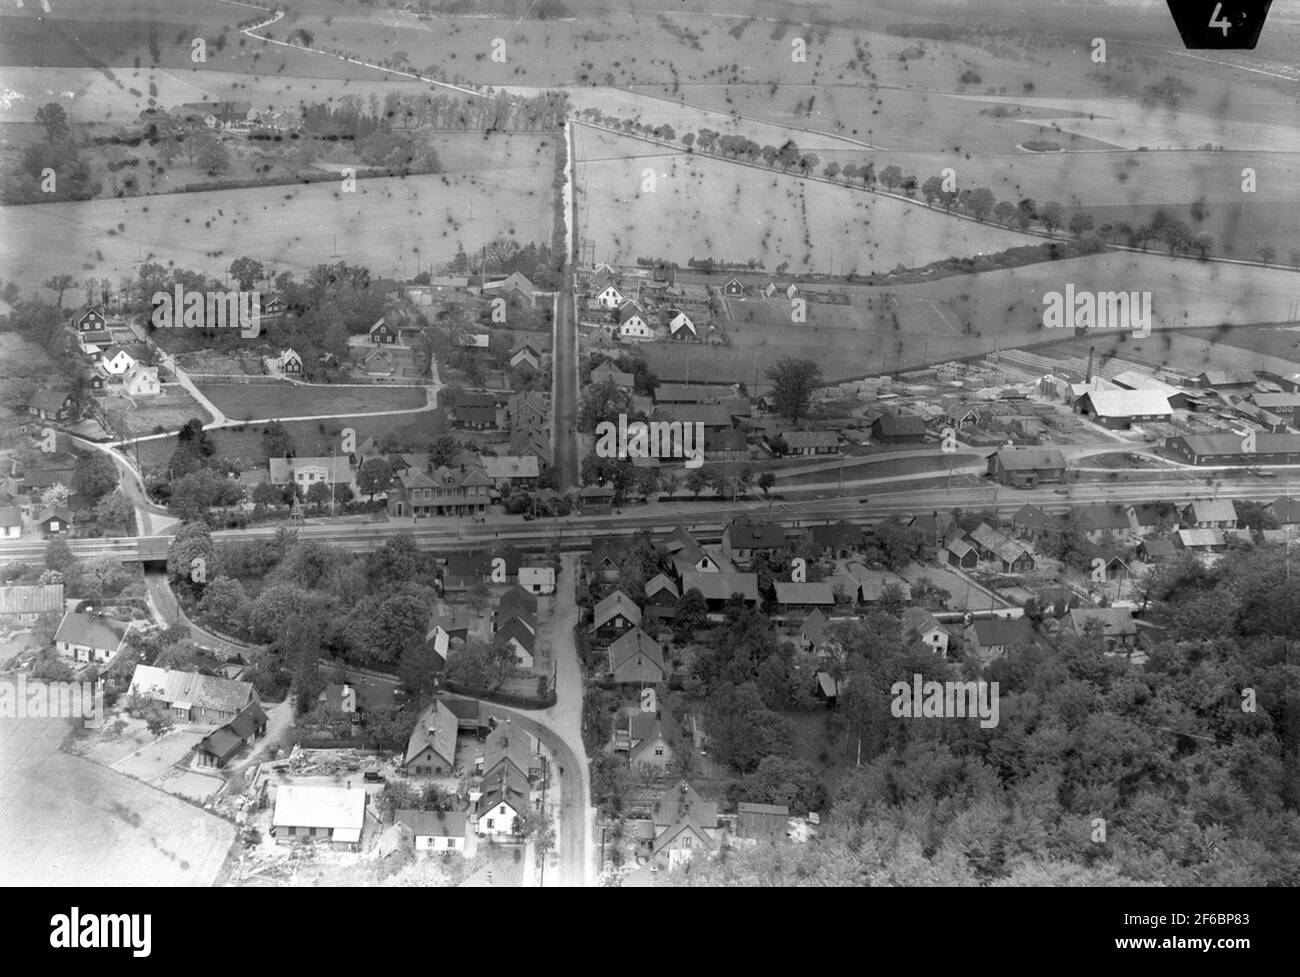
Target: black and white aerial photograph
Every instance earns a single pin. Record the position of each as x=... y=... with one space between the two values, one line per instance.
x=650 y=443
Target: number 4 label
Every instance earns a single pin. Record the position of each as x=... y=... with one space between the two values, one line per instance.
x=1220 y=22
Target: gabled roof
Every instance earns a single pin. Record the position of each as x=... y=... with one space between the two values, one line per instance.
x=613 y=605
x=720 y=586
x=517 y=597
x=1285 y=510
x=340 y=808
x=515 y=628
x=1030 y=459
x=683 y=826
x=1192 y=538
x=221 y=742
x=44 y=598
x=433 y=824
x=747 y=535
x=661 y=582
x=681 y=800
x=1030 y=516
x=1212 y=510
x=95 y=632
x=435 y=727
x=917 y=620
x=804 y=593
x=505 y=785
x=814 y=626
x=510 y=466
x=636 y=643
x=1115 y=621
x=608 y=371
x=1128 y=403
x=795 y=440
x=1101 y=516
x=509 y=744
x=897 y=425
x=250 y=719
x=1003 y=631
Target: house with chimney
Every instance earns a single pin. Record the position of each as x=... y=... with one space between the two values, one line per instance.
x=431 y=747
x=743 y=539
x=635 y=658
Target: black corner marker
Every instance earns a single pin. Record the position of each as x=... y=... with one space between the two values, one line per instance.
x=1221 y=24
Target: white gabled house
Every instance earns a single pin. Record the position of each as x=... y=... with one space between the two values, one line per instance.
x=116 y=361
x=142 y=382
x=631 y=323
x=609 y=297
x=681 y=326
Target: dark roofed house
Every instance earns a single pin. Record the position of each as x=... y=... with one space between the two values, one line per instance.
x=990 y=638
x=1027 y=467
x=1116 y=623
x=431 y=747
x=837 y=539
x=218 y=747
x=615 y=614
x=899 y=429
x=435 y=831
x=637 y=658
x=718 y=587
x=742 y=539
x=1285 y=510
x=1031 y=522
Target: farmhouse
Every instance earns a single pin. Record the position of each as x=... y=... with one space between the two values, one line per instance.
x=811 y=442
x=993 y=637
x=1209 y=514
x=520 y=638
x=733 y=288
x=142 y=381
x=306 y=472
x=803 y=596
x=92 y=331
x=514 y=286
x=718 y=588
x=22 y=606
x=743 y=539
x=608 y=371
x=615 y=614
x=1116 y=624
x=921 y=624
x=898 y=429
x=115 y=360
x=218 y=747
x=11 y=522
x=89 y=639
x=435 y=831
x=681 y=325
x=1027 y=467
x=636 y=658
x=191 y=696
x=381 y=334
x=289 y=361
x=631 y=323
x=431 y=747
x=335 y=814
x=55 y=520
x=51 y=405
x=504 y=803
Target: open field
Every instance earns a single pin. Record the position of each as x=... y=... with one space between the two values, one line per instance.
x=311 y=438
x=76 y=823
x=246 y=401
x=969 y=315
x=168 y=411
x=704 y=207
x=389 y=224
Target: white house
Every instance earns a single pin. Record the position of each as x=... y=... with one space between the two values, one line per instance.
x=919 y=622
x=436 y=831
x=609 y=297
x=537 y=580
x=680 y=326
x=305 y=813
x=632 y=324
x=89 y=639
x=504 y=802
x=11 y=522
x=142 y=382
x=116 y=361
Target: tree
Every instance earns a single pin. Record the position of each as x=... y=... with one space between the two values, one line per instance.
x=1080 y=223
x=891 y=176
x=831 y=170
x=1203 y=242
x=59 y=557
x=1051 y=215
x=689 y=616
x=55 y=495
x=225 y=604
x=211 y=155
x=277 y=442
x=981 y=203
x=765 y=482
x=59 y=284
x=52 y=116
x=158 y=722
x=95 y=476
x=793 y=383
x=247 y=271
x=319 y=494
x=791 y=782
x=1267 y=253
x=375 y=476
x=931 y=189
x=1004 y=212
x=442 y=451
x=420 y=668
x=114 y=514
